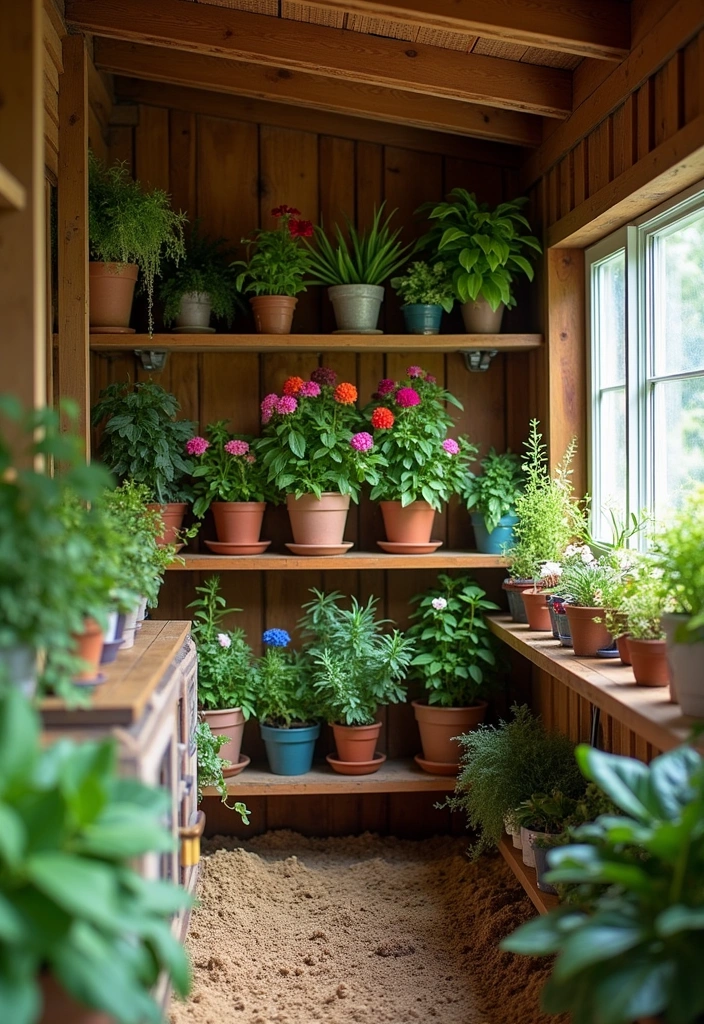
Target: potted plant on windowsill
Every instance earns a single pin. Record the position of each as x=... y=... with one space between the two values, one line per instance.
x=589 y=589
x=356 y=270
x=491 y=496
x=484 y=250
x=354 y=666
x=199 y=286
x=645 y=603
x=211 y=768
x=426 y=291
x=275 y=270
x=456 y=661
x=130 y=230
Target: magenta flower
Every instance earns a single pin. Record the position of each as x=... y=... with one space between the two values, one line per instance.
x=197 y=446
x=385 y=386
x=286 y=405
x=309 y=390
x=251 y=459
x=451 y=446
x=236 y=447
x=362 y=441
x=324 y=376
x=414 y=371
x=267 y=407
x=429 y=379
x=406 y=397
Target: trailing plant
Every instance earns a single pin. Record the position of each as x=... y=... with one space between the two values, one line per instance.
x=677 y=553
x=225 y=671
x=493 y=492
x=211 y=767
x=284 y=698
x=354 y=666
x=425 y=284
x=278 y=263
x=545 y=812
x=128 y=224
x=483 y=247
x=204 y=269
x=456 y=652
x=143 y=441
x=370 y=256
x=227 y=468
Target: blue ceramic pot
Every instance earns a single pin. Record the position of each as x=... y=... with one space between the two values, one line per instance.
x=499 y=539
x=422 y=319
x=290 y=751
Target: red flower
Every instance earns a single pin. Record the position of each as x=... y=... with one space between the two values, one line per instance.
x=382 y=418
x=285 y=211
x=300 y=228
x=292 y=385
x=345 y=394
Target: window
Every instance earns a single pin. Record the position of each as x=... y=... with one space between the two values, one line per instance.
x=645 y=287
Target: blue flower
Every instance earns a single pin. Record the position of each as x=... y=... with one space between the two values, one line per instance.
x=276 y=638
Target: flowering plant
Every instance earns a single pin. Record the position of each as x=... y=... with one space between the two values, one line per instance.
x=410 y=422
x=646 y=600
x=591 y=584
x=313 y=438
x=227 y=469
x=279 y=263
x=283 y=699
x=225 y=673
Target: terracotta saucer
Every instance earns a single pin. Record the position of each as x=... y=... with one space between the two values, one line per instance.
x=96 y=681
x=220 y=547
x=112 y=330
x=355 y=767
x=395 y=548
x=235 y=769
x=319 y=549
x=193 y=330
x=436 y=767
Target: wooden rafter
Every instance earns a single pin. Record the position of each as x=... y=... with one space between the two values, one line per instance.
x=332 y=53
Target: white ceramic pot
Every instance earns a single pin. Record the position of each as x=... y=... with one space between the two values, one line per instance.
x=130 y=629
x=141 y=612
x=513 y=830
x=528 y=837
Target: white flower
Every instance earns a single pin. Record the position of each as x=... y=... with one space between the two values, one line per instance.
x=550 y=569
x=224 y=640
x=657 y=573
x=586 y=555
x=439 y=603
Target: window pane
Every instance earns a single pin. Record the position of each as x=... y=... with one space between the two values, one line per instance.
x=610 y=469
x=609 y=316
x=677 y=290
x=678 y=439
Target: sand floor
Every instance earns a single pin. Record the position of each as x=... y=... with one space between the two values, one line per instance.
x=361 y=930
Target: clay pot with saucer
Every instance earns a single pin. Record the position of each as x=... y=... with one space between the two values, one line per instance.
x=588 y=635
x=318 y=523
x=408 y=528
x=438 y=728
x=238 y=525
x=89 y=648
x=227 y=722
x=356 y=749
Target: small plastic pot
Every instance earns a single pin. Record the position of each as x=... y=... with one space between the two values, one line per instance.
x=422 y=319
x=290 y=751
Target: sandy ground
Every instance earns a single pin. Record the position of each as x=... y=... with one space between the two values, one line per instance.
x=360 y=930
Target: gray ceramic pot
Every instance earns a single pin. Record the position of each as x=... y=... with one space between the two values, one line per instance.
x=685 y=661
x=541 y=866
x=356 y=306
x=20 y=663
x=195 y=310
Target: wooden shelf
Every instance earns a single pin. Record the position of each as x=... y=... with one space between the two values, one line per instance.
x=608 y=685
x=542 y=901
x=393 y=777
x=13 y=196
x=316 y=342
x=352 y=560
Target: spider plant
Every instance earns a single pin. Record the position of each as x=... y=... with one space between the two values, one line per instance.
x=369 y=257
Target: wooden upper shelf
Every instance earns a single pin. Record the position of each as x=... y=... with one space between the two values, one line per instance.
x=316 y=342
x=352 y=560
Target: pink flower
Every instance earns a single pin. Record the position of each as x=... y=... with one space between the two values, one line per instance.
x=286 y=405
x=406 y=397
x=385 y=386
x=324 y=376
x=362 y=441
x=267 y=407
x=197 y=446
x=429 y=379
x=414 y=371
x=309 y=390
x=251 y=459
x=236 y=447
x=451 y=446
x=224 y=640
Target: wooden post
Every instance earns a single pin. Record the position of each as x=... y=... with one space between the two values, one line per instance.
x=73 y=349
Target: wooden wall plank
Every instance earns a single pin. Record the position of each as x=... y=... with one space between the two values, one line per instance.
x=152 y=148
x=121 y=146
x=668 y=97
x=693 y=58
x=337 y=199
x=182 y=162
x=645 y=119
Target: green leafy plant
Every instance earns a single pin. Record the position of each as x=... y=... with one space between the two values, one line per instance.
x=591 y=584
x=143 y=441
x=73 y=907
x=545 y=812
x=284 y=698
x=493 y=492
x=353 y=665
x=228 y=468
x=225 y=672
x=425 y=284
x=278 y=263
x=455 y=658
x=128 y=224
x=677 y=552
x=636 y=948
x=483 y=247
x=645 y=602
x=211 y=766
x=205 y=269
x=368 y=258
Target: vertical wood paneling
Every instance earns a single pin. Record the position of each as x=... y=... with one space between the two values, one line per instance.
x=668 y=99
x=227 y=162
x=645 y=129
x=566 y=175
x=182 y=161
x=337 y=198
x=624 y=124
x=121 y=146
x=579 y=170
x=152 y=147
x=599 y=157
x=693 y=78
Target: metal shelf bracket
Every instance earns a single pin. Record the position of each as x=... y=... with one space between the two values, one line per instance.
x=478 y=360
x=152 y=358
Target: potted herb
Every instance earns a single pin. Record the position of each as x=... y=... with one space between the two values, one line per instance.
x=423 y=466
x=540 y=816
x=632 y=947
x=356 y=269
x=588 y=589
x=286 y=707
x=143 y=441
x=225 y=674
x=317 y=453
x=484 y=249
x=199 y=286
x=211 y=768
x=455 y=660
x=354 y=666
x=644 y=604
x=426 y=291
x=491 y=498
x=130 y=230
x=275 y=270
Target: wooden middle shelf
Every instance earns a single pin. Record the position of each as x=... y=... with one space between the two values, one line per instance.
x=542 y=901
x=316 y=342
x=352 y=560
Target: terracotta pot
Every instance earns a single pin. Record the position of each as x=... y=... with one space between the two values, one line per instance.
x=238 y=522
x=319 y=521
x=514 y=589
x=58 y=1007
x=480 y=318
x=230 y=723
x=172 y=514
x=356 y=742
x=537 y=611
x=111 y=288
x=410 y=525
x=438 y=728
x=588 y=636
x=622 y=645
x=649 y=660
x=273 y=314
x=89 y=647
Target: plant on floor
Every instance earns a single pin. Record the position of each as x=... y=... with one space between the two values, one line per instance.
x=73 y=908
x=283 y=696
x=493 y=492
x=426 y=285
x=677 y=553
x=143 y=441
x=205 y=270
x=456 y=652
x=128 y=224
x=225 y=671
x=210 y=768
x=636 y=948
x=370 y=256
x=276 y=264
x=353 y=665
x=228 y=468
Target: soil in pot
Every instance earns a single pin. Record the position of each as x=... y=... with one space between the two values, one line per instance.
x=290 y=751
x=356 y=742
x=496 y=541
x=357 y=307
x=111 y=287
x=238 y=522
x=89 y=648
x=439 y=726
x=480 y=318
x=649 y=661
x=230 y=723
x=514 y=589
x=194 y=313
x=422 y=319
x=537 y=611
x=319 y=521
x=410 y=525
x=58 y=1007
x=273 y=314
x=172 y=515
x=588 y=635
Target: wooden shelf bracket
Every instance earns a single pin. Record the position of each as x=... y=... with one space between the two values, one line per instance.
x=478 y=360
x=153 y=359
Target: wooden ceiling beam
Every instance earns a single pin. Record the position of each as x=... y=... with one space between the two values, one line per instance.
x=259 y=82
x=333 y=53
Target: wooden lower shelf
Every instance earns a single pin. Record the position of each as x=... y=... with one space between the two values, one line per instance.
x=393 y=777
x=608 y=685
x=352 y=560
x=542 y=901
